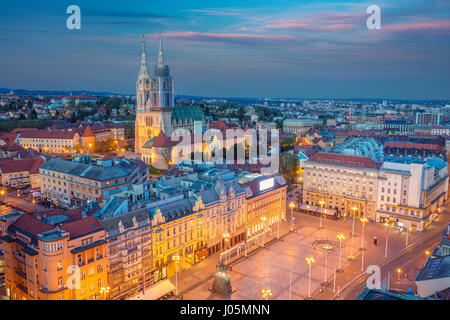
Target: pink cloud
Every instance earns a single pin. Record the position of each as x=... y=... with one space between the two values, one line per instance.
x=225 y=36
x=307 y=26
x=425 y=25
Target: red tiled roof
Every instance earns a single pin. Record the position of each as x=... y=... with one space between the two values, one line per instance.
x=48 y=134
x=88 y=132
x=82 y=226
x=31 y=225
x=31 y=165
x=162 y=141
x=342 y=159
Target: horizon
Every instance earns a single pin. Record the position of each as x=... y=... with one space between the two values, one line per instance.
x=317 y=49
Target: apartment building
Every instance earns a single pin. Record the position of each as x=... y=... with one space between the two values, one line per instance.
x=50 y=141
x=58 y=255
x=130 y=253
x=179 y=235
x=21 y=172
x=224 y=207
x=342 y=181
x=78 y=181
x=411 y=191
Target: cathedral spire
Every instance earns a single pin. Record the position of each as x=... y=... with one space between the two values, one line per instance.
x=160 y=53
x=144 y=56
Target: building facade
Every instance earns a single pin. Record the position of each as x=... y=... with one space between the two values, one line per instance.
x=411 y=191
x=74 y=182
x=55 y=256
x=343 y=182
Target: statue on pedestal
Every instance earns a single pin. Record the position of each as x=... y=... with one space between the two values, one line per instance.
x=222 y=281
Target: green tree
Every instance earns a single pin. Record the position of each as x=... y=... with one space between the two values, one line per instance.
x=289 y=165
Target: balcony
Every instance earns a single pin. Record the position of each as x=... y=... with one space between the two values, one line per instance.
x=23 y=288
x=21 y=273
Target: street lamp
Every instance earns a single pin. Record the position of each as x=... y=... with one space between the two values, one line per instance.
x=407 y=235
x=321 y=203
x=310 y=261
x=363 y=220
x=104 y=291
x=177 y=261
x=354 y=209
x=226 y=237
x=399 y=271
x=266 y=293
x=2 y=192
x=292 y=206
x=427 y=253
x=386 y=225
x=326 y=247
x=34 y=205
x=341 y=237
x=263 y=220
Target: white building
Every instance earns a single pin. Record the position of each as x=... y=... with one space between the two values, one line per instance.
x=411 y=191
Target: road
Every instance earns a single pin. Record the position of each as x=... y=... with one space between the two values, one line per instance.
x=410 y=261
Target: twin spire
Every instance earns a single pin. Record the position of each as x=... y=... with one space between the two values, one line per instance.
x=144 y=55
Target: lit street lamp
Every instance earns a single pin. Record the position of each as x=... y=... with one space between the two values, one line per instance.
x=263 y=220
x=427 y=253
x=322 y=203
x=2 y=192
x=354 y=209
x=340 y=237
x=226 y=237
x=177 y=261
x=104 y=291
x=407 y=235
x=399 y=271
x=266 y=293
x=310 y=261
x=292 y=206
x=34 y=205
x=363 y=220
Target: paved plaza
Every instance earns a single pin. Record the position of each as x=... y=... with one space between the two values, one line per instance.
x=282 y=267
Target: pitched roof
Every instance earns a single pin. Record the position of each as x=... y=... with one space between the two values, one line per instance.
x=31 y=165
x=82 y=226
x=48 y=134
x=88 y=132
x=162 y=141
x=345 y=160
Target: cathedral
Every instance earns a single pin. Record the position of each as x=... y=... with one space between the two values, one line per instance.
x=156 y=114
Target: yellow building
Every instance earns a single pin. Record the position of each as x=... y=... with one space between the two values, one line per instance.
x=55 y=256
x=265 y=203
x=179 y=237
x=50 y=141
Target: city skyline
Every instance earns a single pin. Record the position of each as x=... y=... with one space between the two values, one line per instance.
x=234 y=50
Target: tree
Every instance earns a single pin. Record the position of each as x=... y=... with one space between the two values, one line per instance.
x=289 y=165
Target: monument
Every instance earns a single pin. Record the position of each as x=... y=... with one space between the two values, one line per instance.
x=222 y=281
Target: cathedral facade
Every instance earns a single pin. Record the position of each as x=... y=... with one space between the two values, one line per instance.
x=156 y=113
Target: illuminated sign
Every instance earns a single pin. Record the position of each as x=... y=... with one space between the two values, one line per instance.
x=266 y=184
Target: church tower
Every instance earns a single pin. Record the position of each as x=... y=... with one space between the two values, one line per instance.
x=154 y=101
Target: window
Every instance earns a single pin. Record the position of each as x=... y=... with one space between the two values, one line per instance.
x=60 y=282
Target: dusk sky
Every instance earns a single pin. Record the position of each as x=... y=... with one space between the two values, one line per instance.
x=233 y=48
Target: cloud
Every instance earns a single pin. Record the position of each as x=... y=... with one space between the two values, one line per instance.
x=440 y=25
x=219 y=12
x=128 y=14
x=241 y=38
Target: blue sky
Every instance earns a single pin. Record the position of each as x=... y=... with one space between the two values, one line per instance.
x=303 y=48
